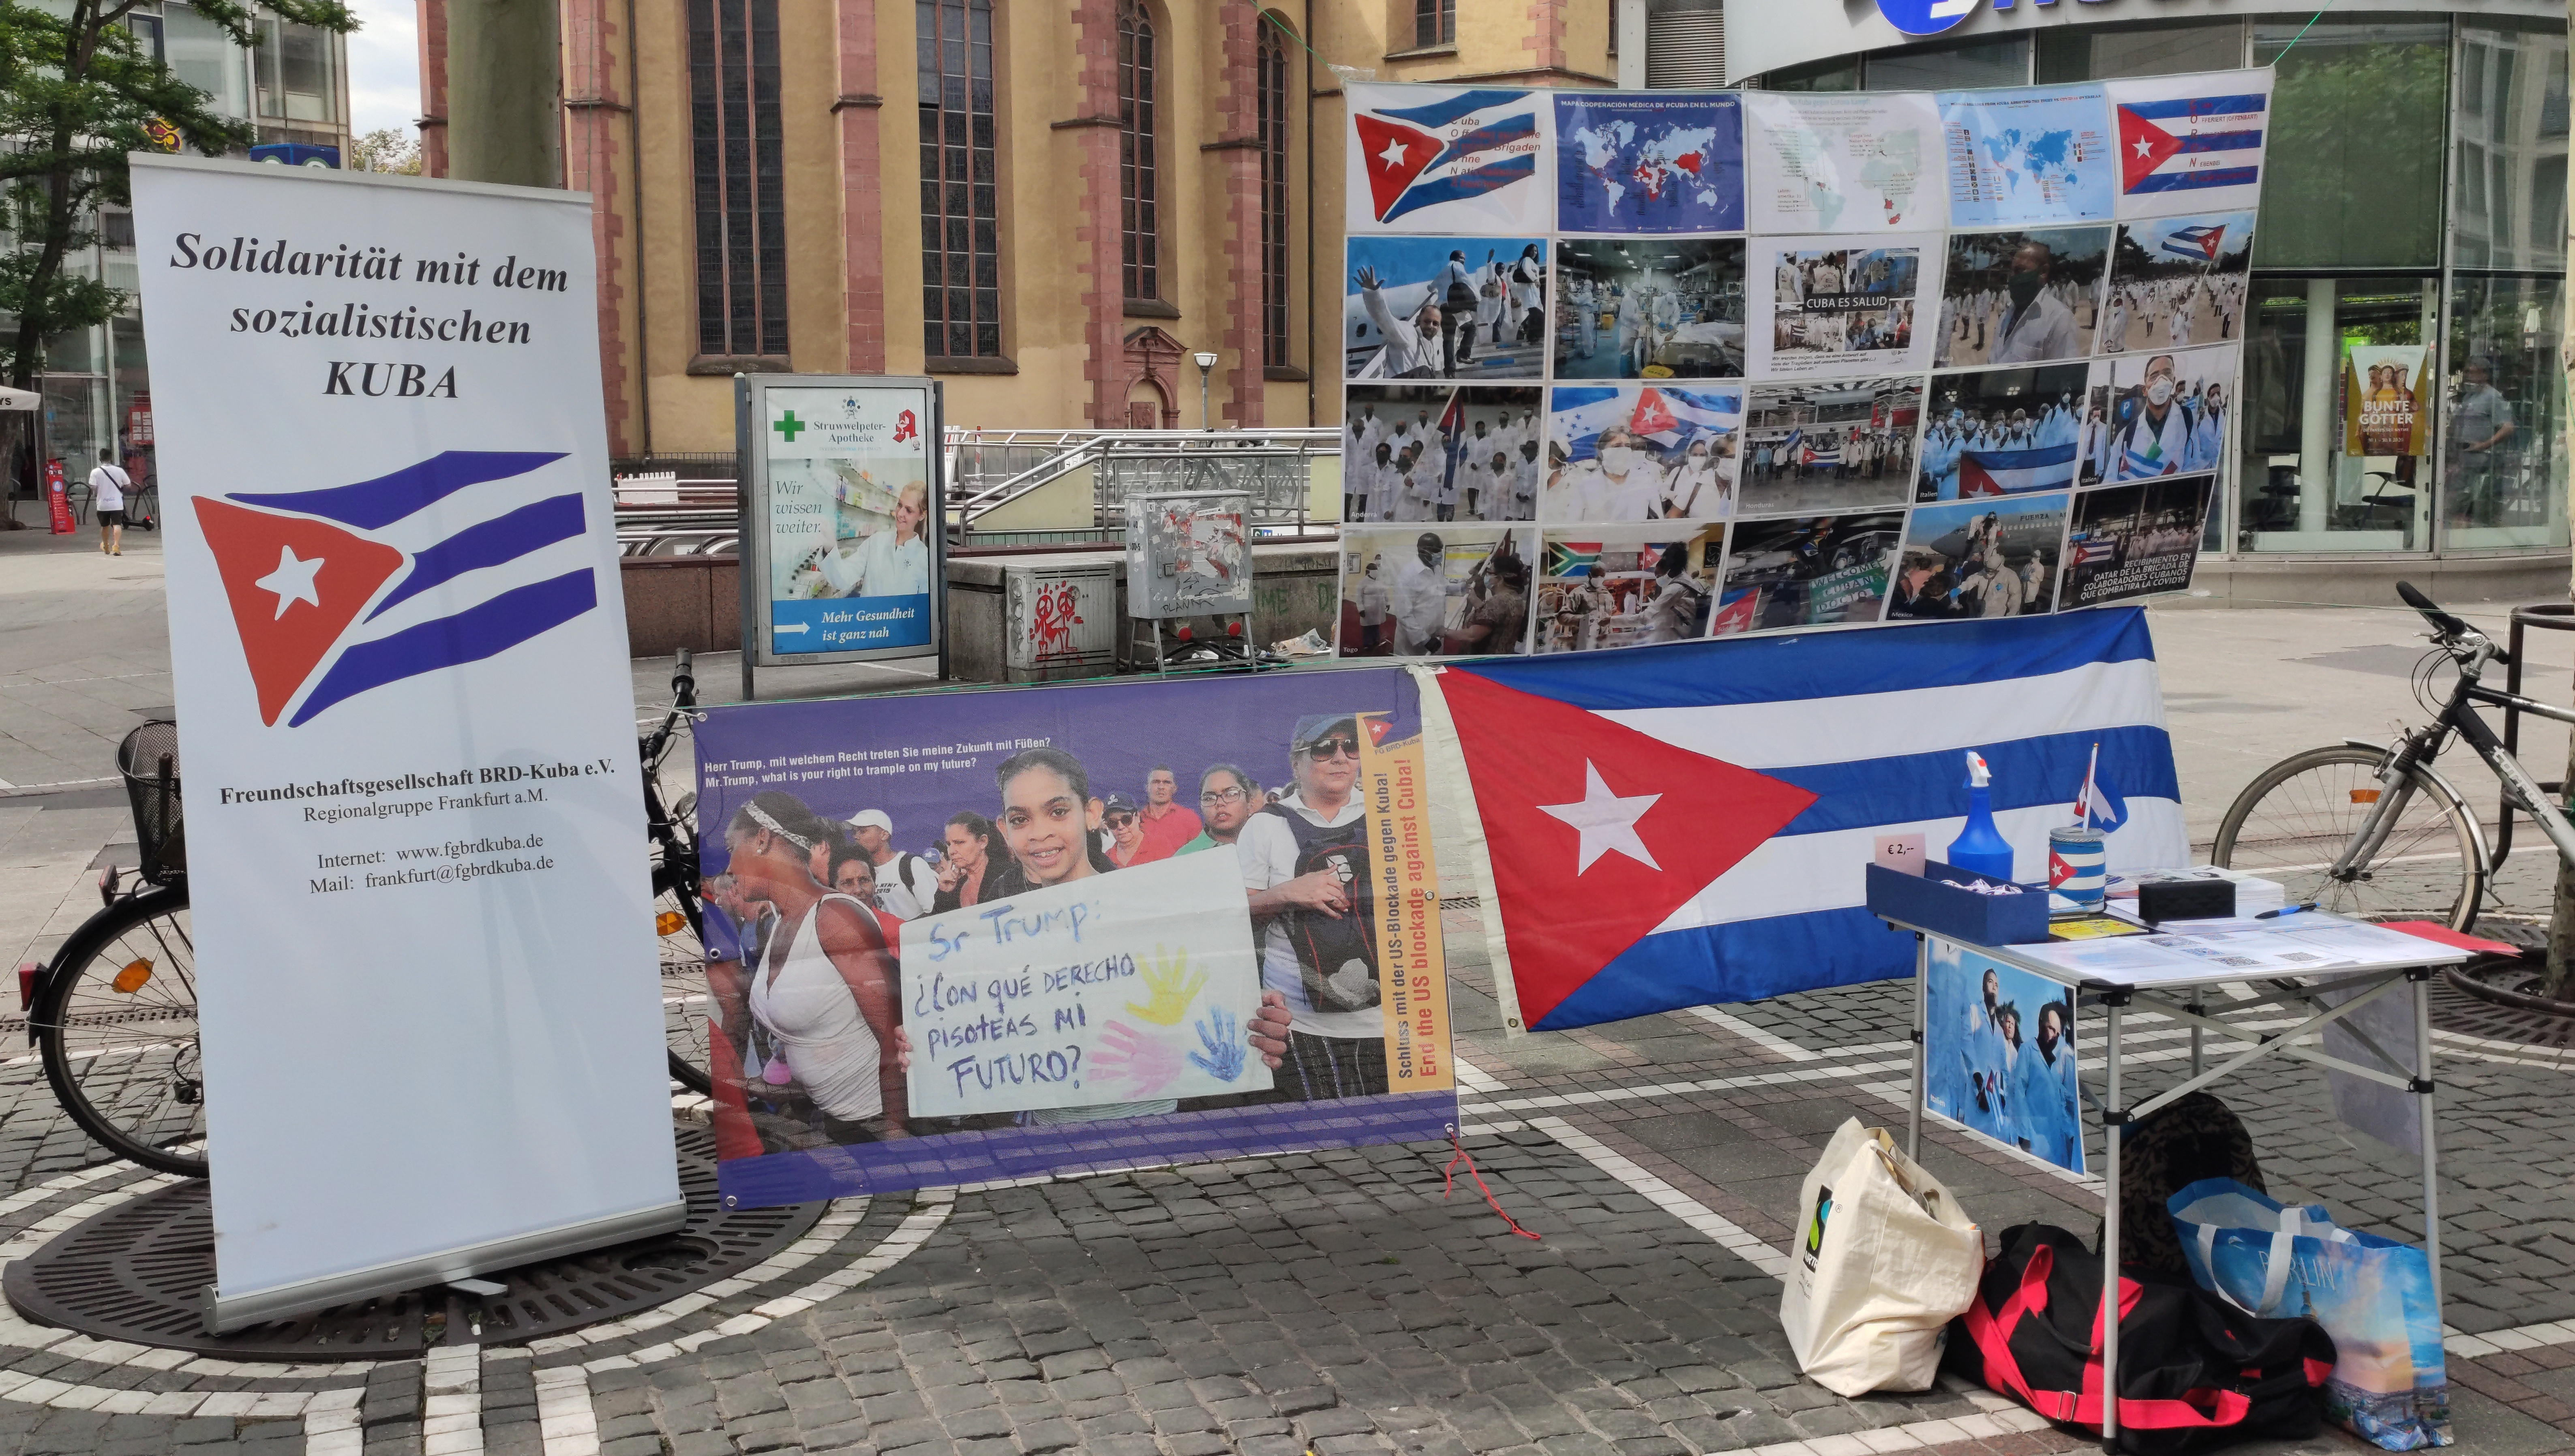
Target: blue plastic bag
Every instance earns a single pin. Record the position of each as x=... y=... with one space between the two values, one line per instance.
x=2372 y=1295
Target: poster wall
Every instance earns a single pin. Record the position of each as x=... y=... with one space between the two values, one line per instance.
x=970 y=936
x=1801 y=317
x=431 y=1015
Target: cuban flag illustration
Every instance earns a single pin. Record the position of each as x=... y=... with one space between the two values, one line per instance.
x=2175 y=138
x=2198 y=244
x=2014 y=472
x=1466 y=157
x=325 y=584
x=1690 y=823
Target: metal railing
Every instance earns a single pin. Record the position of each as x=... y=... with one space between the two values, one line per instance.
x=1274 y=466
x=685 y=508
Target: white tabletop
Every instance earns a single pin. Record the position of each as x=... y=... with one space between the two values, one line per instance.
x=2180 y=954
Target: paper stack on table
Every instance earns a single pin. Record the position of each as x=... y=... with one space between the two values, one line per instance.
x=2253 y=894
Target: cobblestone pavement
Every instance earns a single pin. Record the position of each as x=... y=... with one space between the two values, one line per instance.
x=1340 y=1301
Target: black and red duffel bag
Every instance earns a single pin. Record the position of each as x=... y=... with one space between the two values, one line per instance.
x=2194 y=1373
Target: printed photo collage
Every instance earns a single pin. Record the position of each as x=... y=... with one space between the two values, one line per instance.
x=1625 y=367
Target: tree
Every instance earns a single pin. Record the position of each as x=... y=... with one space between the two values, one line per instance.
x=387 y=149
x=77 y=93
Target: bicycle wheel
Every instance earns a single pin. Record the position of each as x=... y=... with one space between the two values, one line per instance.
x=2291 y=824
x=117 y=1022
x=680 y=925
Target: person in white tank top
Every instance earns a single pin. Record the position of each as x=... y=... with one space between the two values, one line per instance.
x=825 y=996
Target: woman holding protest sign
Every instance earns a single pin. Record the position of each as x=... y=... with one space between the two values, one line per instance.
x=823 y=996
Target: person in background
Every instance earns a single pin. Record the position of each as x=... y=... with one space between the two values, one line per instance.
x=906 y=884
x=1499 y=621
x=1228 y=798
x=107 y=487
x=1167 y=823
x=1373 y=608
x=2480 y=422
x=1674 y=610
x=1126 y=834
x=823 y=993
x=970 y=859
x=853 y=876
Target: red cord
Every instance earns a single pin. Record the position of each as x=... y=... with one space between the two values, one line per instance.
x=1449 y=1181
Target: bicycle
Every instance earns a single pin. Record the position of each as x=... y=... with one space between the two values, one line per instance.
x=114 y=1013
x=2376 y=832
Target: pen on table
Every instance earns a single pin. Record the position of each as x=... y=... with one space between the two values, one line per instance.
x=2285 y=911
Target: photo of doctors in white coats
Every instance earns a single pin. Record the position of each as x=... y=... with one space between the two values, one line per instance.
x=2021 y=297
x=1434 y=591
x=2158 y=414
x=1999 y=1055
x=1445 y=307
x=1441 y=453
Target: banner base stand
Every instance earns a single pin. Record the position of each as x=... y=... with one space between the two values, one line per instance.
x=225 y=1313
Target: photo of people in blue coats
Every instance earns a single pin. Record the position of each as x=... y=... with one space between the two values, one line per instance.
x=1999 y=1055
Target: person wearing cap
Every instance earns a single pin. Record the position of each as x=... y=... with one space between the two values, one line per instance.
x=907 y=886
x=1167 y=823
x=1229 y=798
x=1126 y=834
x=1305 y=866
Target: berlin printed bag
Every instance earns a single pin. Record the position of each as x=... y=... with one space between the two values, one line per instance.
x=2372 y=1295
x=2194 y=1375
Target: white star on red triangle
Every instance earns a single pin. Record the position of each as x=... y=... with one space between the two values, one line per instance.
x=2144 y=146
x=292 y=581
x=1606 y=821
x=1393 y=156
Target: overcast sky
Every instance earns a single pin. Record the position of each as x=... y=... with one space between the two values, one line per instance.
x=384 y=67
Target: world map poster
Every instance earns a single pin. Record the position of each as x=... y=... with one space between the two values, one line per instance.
x=1844 y=162
x=1634 y=164
x=2036 y=156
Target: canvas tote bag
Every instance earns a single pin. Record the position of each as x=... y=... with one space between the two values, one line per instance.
x=1883 y=1259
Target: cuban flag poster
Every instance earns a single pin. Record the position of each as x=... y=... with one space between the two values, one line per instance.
x=430 y=1012
x=1690 y=823
x=1436 y=159
x=2190 y=144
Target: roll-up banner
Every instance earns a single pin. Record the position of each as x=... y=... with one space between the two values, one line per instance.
x=431 y=1016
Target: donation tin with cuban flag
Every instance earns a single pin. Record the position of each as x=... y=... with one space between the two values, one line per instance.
x=429 y=1004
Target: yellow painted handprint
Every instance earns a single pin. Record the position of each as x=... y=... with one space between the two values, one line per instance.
x=1171 y=995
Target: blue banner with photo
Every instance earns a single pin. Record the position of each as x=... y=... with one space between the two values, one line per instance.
x=958 y=937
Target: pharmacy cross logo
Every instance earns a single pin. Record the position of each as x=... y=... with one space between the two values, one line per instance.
x=307 y=574
x=790 y=426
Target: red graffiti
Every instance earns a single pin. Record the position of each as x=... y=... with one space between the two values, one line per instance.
x=1053 y=619
x=905 y=427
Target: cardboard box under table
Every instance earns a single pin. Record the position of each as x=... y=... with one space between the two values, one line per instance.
x=2173 y=970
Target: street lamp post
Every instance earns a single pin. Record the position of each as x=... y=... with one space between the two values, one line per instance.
x=1206 y=360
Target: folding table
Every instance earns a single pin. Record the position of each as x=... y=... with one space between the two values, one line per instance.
x=2179 y=983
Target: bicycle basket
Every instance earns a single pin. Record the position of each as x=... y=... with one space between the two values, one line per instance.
x=149 y=762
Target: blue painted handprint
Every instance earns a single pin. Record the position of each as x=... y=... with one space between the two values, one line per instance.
x=1222 y=1036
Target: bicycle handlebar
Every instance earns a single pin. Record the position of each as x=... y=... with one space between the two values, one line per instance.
x=2441 y=621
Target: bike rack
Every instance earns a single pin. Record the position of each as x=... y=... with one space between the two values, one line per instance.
x=2547 y=617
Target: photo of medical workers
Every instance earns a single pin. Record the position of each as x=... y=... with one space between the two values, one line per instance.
x=1648 y=308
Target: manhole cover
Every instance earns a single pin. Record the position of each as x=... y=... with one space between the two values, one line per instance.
x=133 y=1272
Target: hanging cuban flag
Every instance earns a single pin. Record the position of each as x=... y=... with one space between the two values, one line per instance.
x=1438 y=157
x=1667 y=420
x=2190 y=143
x=1824 y=450
x=2014 y=472
x=2198 y=244
x=338 y=592
x=1679 y=826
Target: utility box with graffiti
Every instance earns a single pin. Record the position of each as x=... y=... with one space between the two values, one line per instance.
x=1189 y=555
x=1061 y=621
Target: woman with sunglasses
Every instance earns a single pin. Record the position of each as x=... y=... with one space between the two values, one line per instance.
x=1305 y=866
x=824 y=994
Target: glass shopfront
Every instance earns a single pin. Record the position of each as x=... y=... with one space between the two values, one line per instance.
x=2400 y=390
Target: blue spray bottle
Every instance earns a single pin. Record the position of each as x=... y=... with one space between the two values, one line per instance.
x=1980 y=847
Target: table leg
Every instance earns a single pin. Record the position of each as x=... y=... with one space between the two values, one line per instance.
x=1921 y=1026
x=2113 y=1122
x=2199 y=1005
x=2423 y=1106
